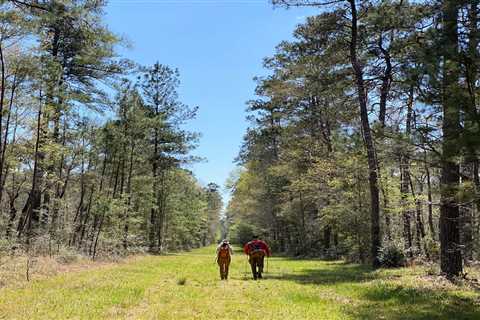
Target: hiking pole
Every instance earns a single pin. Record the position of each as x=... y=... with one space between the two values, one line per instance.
x=245 y=273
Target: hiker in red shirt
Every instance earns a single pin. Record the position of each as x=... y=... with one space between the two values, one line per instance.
x=256 y=250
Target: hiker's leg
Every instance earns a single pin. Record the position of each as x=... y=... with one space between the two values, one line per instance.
x=253 y=264
x=224 y=269
x=260 y=263
x=227 y=266
x=219 y=261
x=260 y=266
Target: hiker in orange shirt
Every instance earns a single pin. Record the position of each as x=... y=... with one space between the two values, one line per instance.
x=224 y=257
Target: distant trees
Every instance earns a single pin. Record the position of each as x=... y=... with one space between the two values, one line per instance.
x=168 y=143
x=72 y=176
x=410 y=68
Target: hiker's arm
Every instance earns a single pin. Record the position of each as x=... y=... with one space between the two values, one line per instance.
x=267 y=249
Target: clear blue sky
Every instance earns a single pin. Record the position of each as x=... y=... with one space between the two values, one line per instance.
x=218 y=47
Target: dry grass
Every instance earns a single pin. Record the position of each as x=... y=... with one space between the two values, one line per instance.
x=14 y=270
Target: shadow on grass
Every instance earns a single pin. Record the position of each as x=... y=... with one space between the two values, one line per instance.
x=374 y=295
x=336 y=273
x=397 y=302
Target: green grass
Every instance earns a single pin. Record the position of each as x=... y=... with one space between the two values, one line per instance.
x=187 y=286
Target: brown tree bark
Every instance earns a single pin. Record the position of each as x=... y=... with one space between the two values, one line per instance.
x=450 y=251
x=467 y=212
x=431 y=226
x=2 y=102
x=405 y=179
x=419 y=226
x=31 y=211
x=3 y=170
x=129 y=200
x=154 y=208
x=386 y=80
x=406 y=212
x=368 y=138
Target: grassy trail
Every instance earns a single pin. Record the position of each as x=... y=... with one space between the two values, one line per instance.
x=148 y=288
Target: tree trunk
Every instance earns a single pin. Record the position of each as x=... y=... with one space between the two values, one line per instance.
x=430 y=202
x=419 y=226
x=94 y=253
x=470 y=164
x=31 y=211
x=368 y=139
x=154 y=209
x=161 y=203
x=406 y=212
x=129 y=200
x=386 y=80
x=2 y=102
x=83 y=228
x=475 y=216
x=386 y=210
x=3 y=177
x=450 y=252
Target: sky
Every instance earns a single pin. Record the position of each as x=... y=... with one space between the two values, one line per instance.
x=218 y=47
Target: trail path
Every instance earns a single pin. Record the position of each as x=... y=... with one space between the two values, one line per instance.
x=149 y=288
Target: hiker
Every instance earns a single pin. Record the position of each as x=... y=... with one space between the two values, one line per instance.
x=257 y=250
x=224 y=253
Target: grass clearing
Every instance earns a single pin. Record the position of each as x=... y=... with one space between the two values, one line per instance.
x=187 y=286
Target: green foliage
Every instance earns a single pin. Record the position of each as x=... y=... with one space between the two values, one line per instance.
x=392 y=256
x=241 y=233
x=303 y=176
x=75 y=176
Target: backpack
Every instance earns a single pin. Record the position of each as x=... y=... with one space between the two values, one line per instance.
x=255 y=246
x=224 y=251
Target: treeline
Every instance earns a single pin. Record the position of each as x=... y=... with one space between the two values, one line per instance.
x=364 y=140
x=92 y=147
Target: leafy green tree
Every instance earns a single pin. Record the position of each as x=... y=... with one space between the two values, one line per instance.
x=169 y=143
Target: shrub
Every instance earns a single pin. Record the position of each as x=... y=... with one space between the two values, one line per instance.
x=242 y=233
x=432 y=269
x=66 y=256
x=433 y=248
x=7 y=246
x=391 y=256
